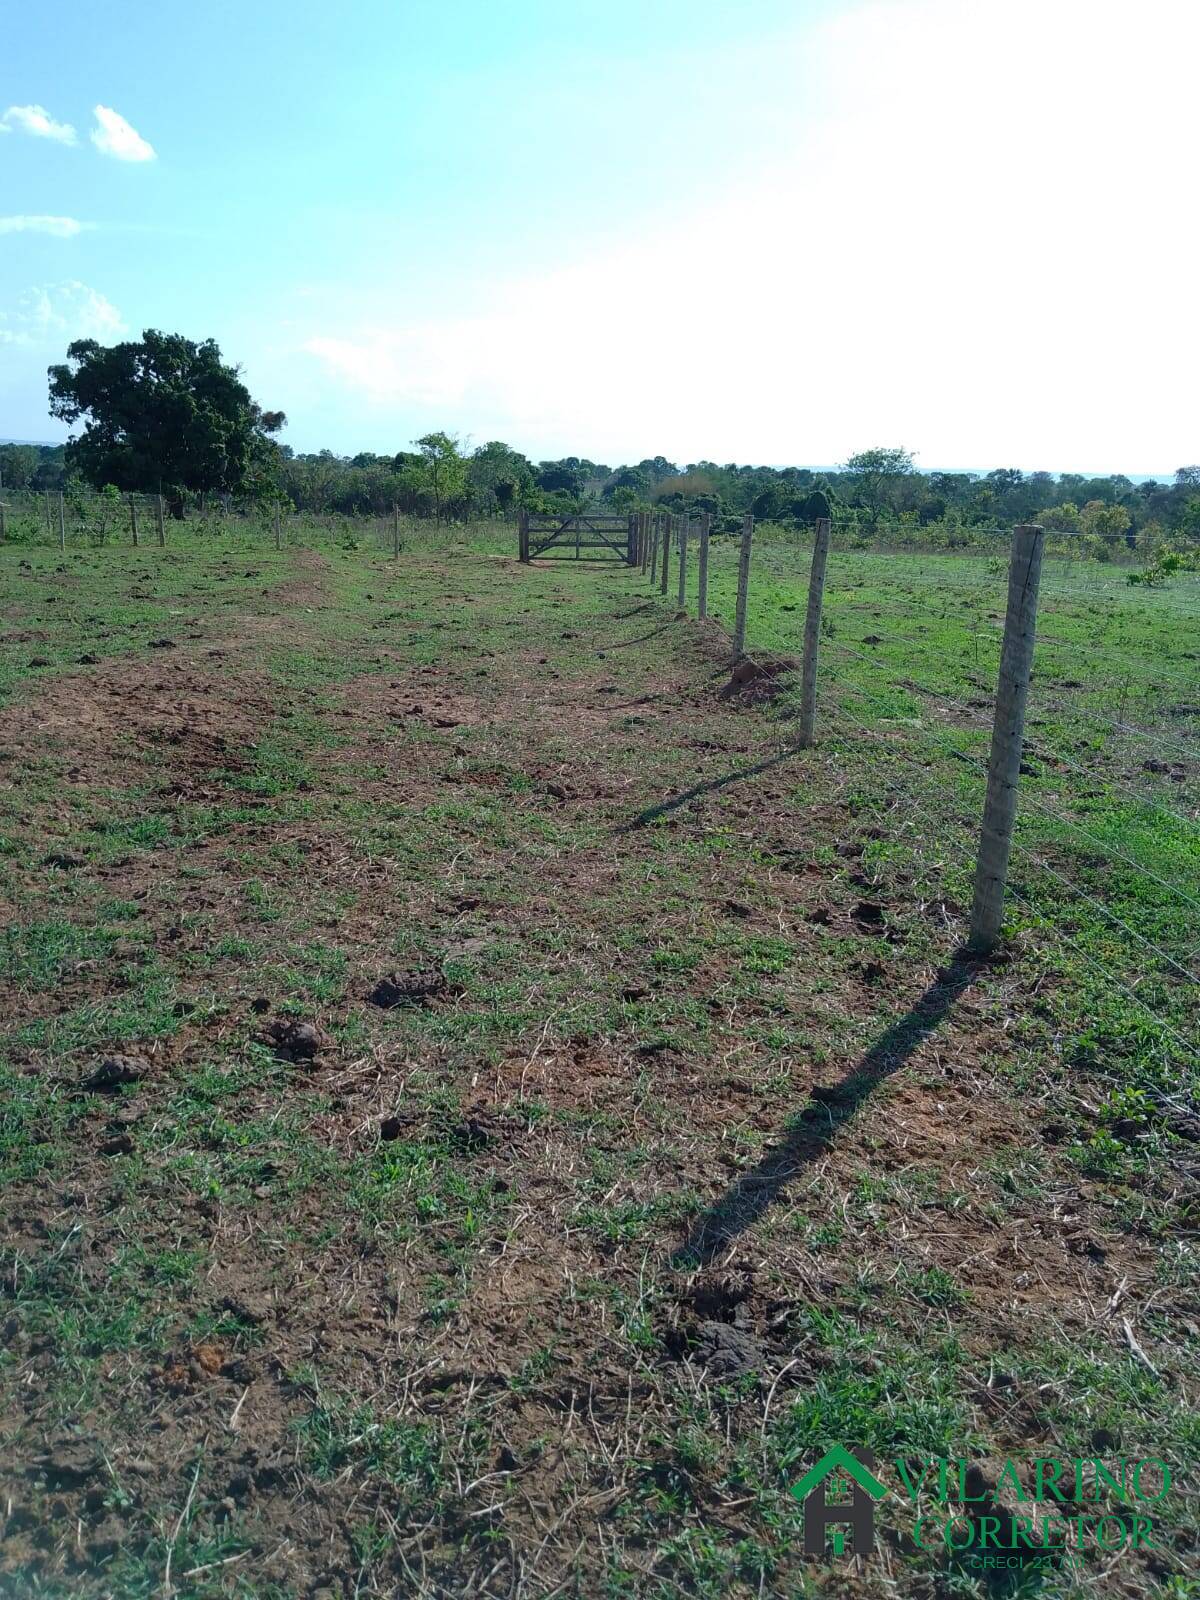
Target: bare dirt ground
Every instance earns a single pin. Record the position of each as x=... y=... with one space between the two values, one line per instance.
x=547 y=1111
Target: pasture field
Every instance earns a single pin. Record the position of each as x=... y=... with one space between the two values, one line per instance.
x=550 y=1108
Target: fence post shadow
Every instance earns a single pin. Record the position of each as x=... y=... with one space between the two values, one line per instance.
x=663 y=808
x=811 y=1132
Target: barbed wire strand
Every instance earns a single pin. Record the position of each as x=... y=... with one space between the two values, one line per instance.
x=1034 y=803
x=1190 y=1045
x=1053 y=758
x=1161 y=1021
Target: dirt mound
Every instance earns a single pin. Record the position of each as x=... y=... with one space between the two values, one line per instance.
x=752 y=681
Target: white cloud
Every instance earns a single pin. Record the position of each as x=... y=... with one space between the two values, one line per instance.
x=113 y=136
x=948 y=252
x=56 y=313
x=57 y=227
x=36 y=120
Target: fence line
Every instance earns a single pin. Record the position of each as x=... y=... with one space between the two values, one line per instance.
x=999 y=843
x=960 y=816
x=1051 y=757
x=67 y=519
x=1168 y=1028
x=1189 y=1045
x=1037 y=804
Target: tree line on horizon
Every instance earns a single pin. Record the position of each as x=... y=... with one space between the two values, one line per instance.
x=167 y=415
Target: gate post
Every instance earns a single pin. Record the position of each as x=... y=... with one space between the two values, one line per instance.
x=631 y=540
x=523 y=535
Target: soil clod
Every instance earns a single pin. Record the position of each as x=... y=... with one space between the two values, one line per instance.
x=408 y=989
x=114 y=1071
x=727 y=1351
x=295 y=1041
x=869 y=913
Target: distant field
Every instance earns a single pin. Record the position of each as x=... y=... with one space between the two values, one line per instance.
x=679 y=1140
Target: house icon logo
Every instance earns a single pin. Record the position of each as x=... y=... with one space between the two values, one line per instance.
x=850 y=1468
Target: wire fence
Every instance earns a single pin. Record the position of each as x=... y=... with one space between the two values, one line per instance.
x=89 y=519
x=899 y=655
x=906 y=661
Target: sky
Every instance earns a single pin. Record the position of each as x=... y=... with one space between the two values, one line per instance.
x=766 y=231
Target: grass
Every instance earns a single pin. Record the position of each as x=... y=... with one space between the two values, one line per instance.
x=1107 y=853
x=432 y=1310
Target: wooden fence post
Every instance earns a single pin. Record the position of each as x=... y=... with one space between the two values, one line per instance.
x=133 y=520
x=685 y=525
x=739 y=624
x=654 y=547
x=3 y=522
x=62 y=523
x=644 y=517
x=631 y=539
x=49 y=519
x=523 y=535
x=278 y=533
x=158 y=512
x=1008 y=736
x=395 y=531
x=702 y=567
x=668 y=519
x=812 y=633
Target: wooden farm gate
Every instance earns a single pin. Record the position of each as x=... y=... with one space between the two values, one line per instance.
x=583 y=531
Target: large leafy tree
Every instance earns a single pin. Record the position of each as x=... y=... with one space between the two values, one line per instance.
x=657 y=468
x=628 y=478
x=499 y=474
x=446 y=472
x=879 y=473
x=18 y=463
x=162 y=414
x=568 y=476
